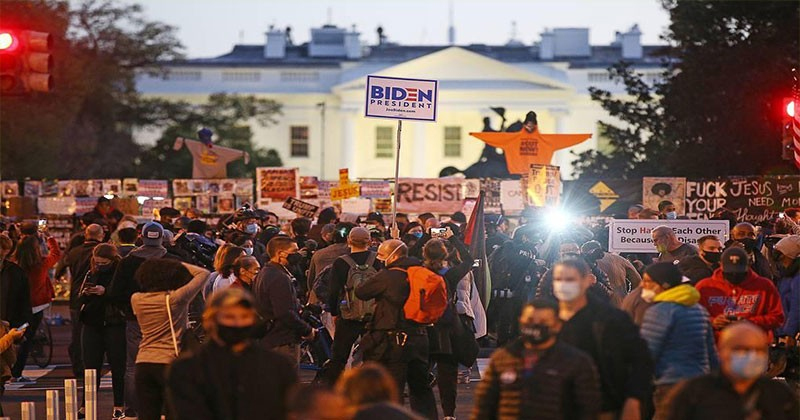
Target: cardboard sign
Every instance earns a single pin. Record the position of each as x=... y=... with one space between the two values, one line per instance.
x=656 y=190
x=309 y=187
x=324 y=189
x=543 y=186
x=401 y=99
x=376 y=189
x=84 y=205
x=356 y=205
x=112 y=186
x=300 y=207
x=635 y=235
x=153 y=188
x=277 y=184
x=345 y=192
x=150 y=206
x=9 y=189
x=753 y=199
x=130 y=187
x=436 y=195
x=344 y=177
x=512 y=199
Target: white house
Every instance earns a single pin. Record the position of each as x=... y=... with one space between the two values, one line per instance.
x=321 y=85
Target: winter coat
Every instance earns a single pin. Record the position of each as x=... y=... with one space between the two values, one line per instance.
x=15 y=295
x=789 y=289
x=755 y=299
x=390 y=290
x=563 y=384
x=468 y=303
x=622 y=275
x=276 y=299
x=695 y=268
x=679 y=335
x=42 y=291
x=78 y=260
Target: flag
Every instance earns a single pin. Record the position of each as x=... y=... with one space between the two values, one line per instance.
x=796 y=121
x=475 y=238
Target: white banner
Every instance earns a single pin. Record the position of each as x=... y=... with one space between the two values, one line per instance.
x=511 y=197
x=636 y=235
x=401 y=99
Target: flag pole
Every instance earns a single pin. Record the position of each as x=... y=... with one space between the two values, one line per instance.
x=395 y=230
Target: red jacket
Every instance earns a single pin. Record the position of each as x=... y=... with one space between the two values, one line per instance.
x=41 y=287
x=755 y=299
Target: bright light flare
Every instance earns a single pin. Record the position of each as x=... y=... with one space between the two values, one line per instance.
x=790 y=109
x=8 y=42
x=557 y=220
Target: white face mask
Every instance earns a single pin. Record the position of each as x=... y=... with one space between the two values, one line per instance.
x=748 y=364
x=566 y=291
x=671 y=215
x=648 y=295
x=248 y=251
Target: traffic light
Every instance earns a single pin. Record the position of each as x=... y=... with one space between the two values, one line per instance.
x=788 y=112
x=25 y=62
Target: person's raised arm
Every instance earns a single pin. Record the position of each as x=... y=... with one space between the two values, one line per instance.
x=188 y=291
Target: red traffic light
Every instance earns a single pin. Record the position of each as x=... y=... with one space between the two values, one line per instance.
x=8 y=41
x=790 y=108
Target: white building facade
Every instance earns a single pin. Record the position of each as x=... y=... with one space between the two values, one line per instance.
x=321 y=86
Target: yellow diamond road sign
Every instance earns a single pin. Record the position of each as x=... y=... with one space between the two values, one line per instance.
x=606 y=195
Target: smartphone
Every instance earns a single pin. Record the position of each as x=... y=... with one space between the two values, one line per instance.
x=438 y=232
x=42 y=225
x=23 y=326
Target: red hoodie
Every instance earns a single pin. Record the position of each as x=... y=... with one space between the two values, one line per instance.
x=755 y=299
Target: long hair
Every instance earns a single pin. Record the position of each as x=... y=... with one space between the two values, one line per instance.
x=28 y=254
x=105 y=250
x=228 y=260
x=435 y=254
x=369 y=383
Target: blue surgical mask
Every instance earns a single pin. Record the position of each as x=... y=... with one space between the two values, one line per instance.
x=417 y=235
x=252 y=228
x=671 y=215
x=248 y=251
x=748 y=364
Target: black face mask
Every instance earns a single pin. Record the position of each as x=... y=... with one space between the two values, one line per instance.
x=735 y=278
x=234 y=335
x=712 y=257
x=294 y=259
x=103 y=268
x=535 y=333
x=749 y=244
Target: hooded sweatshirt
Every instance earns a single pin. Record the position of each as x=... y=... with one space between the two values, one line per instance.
x=679 y=335
x=755 y=299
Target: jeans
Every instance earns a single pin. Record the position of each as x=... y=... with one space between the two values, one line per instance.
x=347 y=333
x=108 y=341
x=74 y=349
x=133 y=336
x=25 y=347
x=447 y=381
x=151 y=387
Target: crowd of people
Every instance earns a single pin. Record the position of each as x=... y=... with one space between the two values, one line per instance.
x=200 y=321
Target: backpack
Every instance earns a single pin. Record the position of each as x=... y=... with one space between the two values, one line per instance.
x=427 y=297
x=322 y=282
x=351 y=307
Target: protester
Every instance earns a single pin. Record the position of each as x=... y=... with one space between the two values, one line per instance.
x=8 y=336
x=398 y=344
x=300 y=229
x=245 y=269
x=327 y=235
x=739 y=390
x=735 y=292
x=100 y=212
x=634 y=210
x=622 y=275
x=787 y=256
x=223 y=275
x=326 y=216
x=167 y=217
x=167 y=288
x=372 y=393
x=28 y=256
x=230 y=377
x=317 y=402
x=325 y=257
x=745 y=234
x=701 y=266
x=669 y=247
x=127 y=240
x=276 y=298
x=495 y=237
x=538 y=376
x=666 y=210
x=348 y=272
x=677 y=331
x=609 y=337
x=15 y=298
x=103 y=323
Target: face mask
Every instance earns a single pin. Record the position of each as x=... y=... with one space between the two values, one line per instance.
x=417 y=235
x=748 y=364
x=712 y=257
x=248 y=251
x=252 y=228
x=566 y=291
x=661 y=248
x=749 y=244
x=671 y=215
x=734 y=278
x=648 y=295
x=294 y=259
x=102 y=268
x=389 y=257
x=234 y=335
x=535 y=333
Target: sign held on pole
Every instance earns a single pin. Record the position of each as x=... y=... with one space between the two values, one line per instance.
x=401 y=99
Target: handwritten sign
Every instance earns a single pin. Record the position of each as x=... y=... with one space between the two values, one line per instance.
x=438 y=195
x=300 y=207
x=276 y=184
x=376 y=189
x=153 y=188
x=346 y=191
x=626 y=235
x=511 y=196
x=543 y=186
x=753 y=199
x=344 y=177
x=656 y=190
x=403 y=99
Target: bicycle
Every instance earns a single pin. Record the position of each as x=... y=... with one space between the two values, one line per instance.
x=42 y=345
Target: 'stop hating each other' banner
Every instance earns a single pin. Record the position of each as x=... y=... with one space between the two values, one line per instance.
x=436 y=195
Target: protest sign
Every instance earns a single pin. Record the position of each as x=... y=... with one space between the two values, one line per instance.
x=56 y=205
x=438 y=195
x=9 y=189
x=344 y=177
x=32 y=188
x=345 y=191
x=356 y=205
x=753 y=199
x=472 y=188
x=84 y=205
x=150 y=206
x=153 y=188
x=492 y=197
x=404 y=99
x=543 y=186
x=300 y=207
x=130 y=187
x=376 y=189
x=631 y=235
x=277 y=208
x=382 y=205
x=325 y=188
x=656 y=190
x=511 y=198
x=112 y=186
x=309 y=187
x=244 y=186
x=277 y=184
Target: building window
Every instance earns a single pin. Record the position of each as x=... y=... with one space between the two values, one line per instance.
x=299 y=76
x=241 y=76
x=183 y=76
x=452 y=142
x=299 y=141
x=599 y=77
x=384 y=142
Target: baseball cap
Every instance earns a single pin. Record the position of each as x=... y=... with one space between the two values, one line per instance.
x=735 y=260
x=789 y=246
x=152 y=234
x=359 y=235
x=666 y=274
x=375 y=217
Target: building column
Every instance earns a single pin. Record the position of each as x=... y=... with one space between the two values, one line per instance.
x=418 y=159
x=347 y=117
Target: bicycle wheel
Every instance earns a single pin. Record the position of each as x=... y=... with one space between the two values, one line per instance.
x=42 y=346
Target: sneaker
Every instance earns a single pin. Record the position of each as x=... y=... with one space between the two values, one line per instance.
x=118 y=414
x=24 y=380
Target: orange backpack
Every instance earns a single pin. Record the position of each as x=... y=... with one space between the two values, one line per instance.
x=427 y=298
